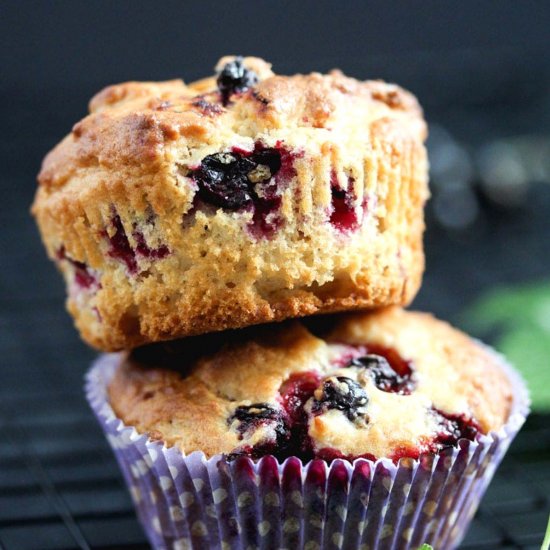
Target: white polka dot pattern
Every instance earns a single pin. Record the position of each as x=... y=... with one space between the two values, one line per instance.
x=189 y=502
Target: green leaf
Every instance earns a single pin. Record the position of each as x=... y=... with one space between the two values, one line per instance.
x=509 y=307
x=520 y=319
x=425 y=547
x=546 y=541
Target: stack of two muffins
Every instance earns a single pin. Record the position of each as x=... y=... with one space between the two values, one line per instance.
x=178 y=210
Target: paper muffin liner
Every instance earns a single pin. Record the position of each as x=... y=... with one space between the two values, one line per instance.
x=194 y=502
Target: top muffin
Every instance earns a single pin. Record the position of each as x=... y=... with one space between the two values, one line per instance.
x=243 y=198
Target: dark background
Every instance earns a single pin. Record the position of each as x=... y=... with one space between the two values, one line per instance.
x=482 y=72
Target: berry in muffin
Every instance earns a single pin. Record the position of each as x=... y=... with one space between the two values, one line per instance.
x=243 y=198
x=384 y=384
x=235 y=78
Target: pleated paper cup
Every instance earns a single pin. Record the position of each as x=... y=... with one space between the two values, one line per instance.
x=194 y=502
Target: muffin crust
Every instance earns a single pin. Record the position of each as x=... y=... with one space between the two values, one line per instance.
x=236 y=400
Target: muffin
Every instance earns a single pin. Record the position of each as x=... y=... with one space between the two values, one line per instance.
x=385 y=384
x=247 y=197
x=381 y=429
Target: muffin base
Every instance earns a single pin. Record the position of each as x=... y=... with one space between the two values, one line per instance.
x=190 y=501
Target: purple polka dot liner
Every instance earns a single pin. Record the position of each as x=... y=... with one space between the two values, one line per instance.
x=194 y=502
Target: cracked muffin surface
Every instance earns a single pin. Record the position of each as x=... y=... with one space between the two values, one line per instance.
x=243 y=198
x=383 y=384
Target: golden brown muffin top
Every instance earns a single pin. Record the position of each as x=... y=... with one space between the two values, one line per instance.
x=384 y=384
x=146 y=124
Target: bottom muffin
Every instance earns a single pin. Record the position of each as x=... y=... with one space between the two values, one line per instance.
x=376 y=430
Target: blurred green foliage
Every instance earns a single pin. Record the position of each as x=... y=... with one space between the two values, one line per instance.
x=517 y=321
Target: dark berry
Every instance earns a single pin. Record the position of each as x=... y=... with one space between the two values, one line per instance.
x=341 y=393
x=247 y=180
x=295 y=393
x=235 y=78
x=120 y=248
x=292 y=436
x=250 y=417
x=83 y=276
x=145 y=250
x=236 y=180
x=222 y=180
x=267 y=199
x=268 y=163
x=383 y=375
x=266 y=220
x=343 y=215
x=452 y=428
